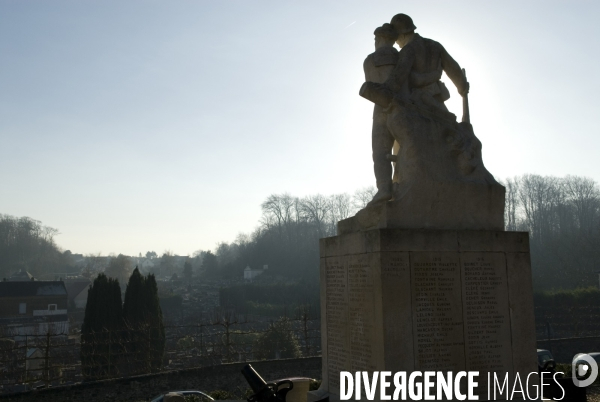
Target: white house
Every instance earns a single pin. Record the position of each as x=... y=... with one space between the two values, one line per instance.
x=250 y=273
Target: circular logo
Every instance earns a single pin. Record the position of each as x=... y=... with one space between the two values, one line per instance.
x=585 y=370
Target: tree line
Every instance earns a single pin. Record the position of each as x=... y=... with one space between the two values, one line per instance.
x=122 y=336
x=290 y=296
x=26 y=244
x=562 y=216
x=287 y=237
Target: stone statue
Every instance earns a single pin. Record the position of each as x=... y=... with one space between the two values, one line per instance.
x=440 y=180
x=378 y=66
x=404 y=280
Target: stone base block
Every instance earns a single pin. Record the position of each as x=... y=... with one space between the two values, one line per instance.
x=439 y=300
x=435 y=205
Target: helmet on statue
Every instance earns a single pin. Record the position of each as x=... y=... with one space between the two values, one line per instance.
x=403 y=23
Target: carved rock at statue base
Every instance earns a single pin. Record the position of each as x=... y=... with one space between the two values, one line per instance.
x=435 y=205
x=442 y=182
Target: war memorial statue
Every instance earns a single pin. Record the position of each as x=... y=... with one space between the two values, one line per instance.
x=424 y=277
x=440 y=180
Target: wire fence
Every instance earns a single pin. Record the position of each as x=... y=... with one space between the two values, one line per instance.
x=567 y=321
x=43 y=360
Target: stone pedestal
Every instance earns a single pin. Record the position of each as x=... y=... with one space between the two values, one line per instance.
x=439 y=300
x=435 y=205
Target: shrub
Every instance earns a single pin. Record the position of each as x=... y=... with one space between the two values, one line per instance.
x=279 y=338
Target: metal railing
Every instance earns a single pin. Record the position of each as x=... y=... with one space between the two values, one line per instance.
x=50 y=359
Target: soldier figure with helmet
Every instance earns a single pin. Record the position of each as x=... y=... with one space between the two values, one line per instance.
x=378 y=67
x=415 y=79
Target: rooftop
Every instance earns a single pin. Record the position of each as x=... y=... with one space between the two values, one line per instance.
x=32 y=288
x=21 y=276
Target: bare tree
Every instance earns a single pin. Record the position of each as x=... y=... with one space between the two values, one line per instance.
x=512 y=203
x=226 y=253
x=226 y=318
x=362 y=196
x=280 y=207
x=119 y=267
x=279 y=211
x=167 y=263
x=584 y=194
x=27 y=244
x=562 y=216
x=316 y=209
x=93 y=265
x=539 y=197
x=341 y=208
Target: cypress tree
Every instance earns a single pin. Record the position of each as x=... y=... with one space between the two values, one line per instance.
x=133 y=306
x=138 y=345
x=100 y=332
x=187 y=270
x=112 y=329
x=143 y=316
x=153 y=315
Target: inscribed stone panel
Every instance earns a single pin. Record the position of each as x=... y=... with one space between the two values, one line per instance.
x=437 y=311
x=338 y=358
x=522 y=320
x=361 y=313
x=397 y=311
x=488 y=346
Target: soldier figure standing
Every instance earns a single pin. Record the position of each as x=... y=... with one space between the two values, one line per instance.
x=378 y=67
x=415 y=80
x=420 y=65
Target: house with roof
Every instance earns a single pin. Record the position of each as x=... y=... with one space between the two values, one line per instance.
x=33 y=308
x=21 y=276
x=250 y=273
x=34 y=362
x=147 y=265
x=77 y=292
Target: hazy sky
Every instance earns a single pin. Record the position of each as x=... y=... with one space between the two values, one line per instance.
x=152 y=125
